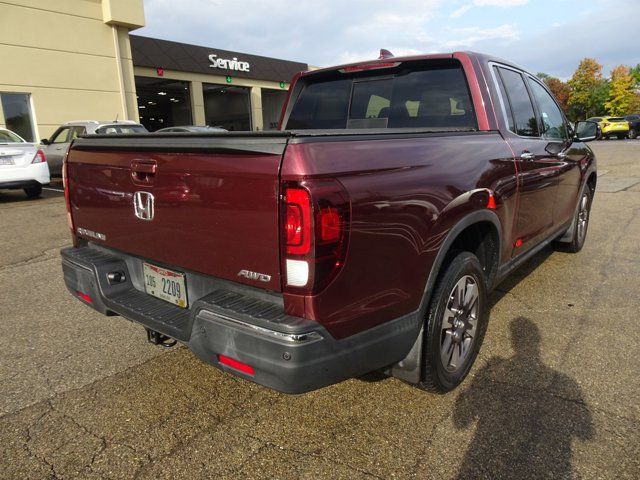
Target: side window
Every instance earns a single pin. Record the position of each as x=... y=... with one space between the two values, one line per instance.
x=524 y=116
x=551 y=118
x=62 y=136
x=505 y=101
x=76 y=132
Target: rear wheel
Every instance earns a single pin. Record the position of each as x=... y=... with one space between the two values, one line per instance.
x=581 y=222
x=455 y=324
x=633 y=133
x=33 y=192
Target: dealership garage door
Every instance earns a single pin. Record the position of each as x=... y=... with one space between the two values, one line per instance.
x=163 y=103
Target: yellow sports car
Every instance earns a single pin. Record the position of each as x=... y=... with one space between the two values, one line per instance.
x=612 y=126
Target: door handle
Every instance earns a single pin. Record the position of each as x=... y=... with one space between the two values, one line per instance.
x=144 y=166
x=527 y=155
x=143 y=171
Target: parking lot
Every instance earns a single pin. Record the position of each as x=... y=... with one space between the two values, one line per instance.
x=554 y=392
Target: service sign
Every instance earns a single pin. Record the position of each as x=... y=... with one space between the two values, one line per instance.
x=227 y=64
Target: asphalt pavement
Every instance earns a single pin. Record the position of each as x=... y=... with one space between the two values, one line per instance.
x=554 y=392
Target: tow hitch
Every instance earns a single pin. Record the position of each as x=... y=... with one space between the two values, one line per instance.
x=158 y=338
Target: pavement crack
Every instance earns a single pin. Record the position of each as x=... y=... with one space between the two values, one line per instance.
x=43 y=256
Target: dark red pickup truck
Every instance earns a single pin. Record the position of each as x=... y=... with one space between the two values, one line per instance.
x=364 y=235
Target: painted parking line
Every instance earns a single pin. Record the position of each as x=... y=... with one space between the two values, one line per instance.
x=53 y=189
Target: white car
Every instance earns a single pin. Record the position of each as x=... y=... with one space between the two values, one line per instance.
x=22 y=165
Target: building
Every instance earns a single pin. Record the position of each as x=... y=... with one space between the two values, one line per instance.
x=63 y=60
x=66 y=60
x=180 y=84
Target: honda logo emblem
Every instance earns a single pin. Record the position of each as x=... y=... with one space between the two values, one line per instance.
x=143 y=205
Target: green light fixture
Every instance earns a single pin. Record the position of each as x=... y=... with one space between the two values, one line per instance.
x=283 y=85
x=229 y=79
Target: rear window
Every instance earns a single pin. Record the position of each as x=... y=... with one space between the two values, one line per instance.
x=616 y=119
x=115 y=129
x=9 y=137
x=436 y=98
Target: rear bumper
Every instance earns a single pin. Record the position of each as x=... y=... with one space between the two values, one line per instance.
x=24 y=176
x=288 y=354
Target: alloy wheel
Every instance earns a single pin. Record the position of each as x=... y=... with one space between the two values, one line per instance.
x=459 y=325
x=583 y=217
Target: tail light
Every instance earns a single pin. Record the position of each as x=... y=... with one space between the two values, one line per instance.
x=67 y=198
x=39 y=157
x=315 y=223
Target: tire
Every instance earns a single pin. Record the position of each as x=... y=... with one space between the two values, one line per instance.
x=580 y=222
x=447 y=330
x=33 y=192
x=633 y=134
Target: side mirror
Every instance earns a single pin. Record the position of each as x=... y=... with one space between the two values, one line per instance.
x=45 y=141
x=586 y=131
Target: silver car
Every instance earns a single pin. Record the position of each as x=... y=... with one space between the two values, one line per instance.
x=57 y=145
x=191 y=128
x=22 y=164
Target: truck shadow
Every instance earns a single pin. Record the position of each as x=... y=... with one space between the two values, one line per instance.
x=498 y=293
x=522 y=429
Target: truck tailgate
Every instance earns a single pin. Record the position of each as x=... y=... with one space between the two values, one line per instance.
x=202 y=203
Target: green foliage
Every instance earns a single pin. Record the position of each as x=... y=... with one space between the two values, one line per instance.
x=621 y=94
x=588 y=89
x=635 y=74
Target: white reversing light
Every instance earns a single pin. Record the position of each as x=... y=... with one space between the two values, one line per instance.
x=297 y=273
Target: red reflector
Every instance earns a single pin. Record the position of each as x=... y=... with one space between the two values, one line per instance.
x=298 y=221
x=235 y=364
x=329 y=222
x=518 y=243
x=85 y=297
x=491 y=203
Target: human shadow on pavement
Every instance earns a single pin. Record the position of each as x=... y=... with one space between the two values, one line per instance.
x=523 y=430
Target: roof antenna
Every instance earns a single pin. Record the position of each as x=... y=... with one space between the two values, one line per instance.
x=116 y=120
x=385 y=54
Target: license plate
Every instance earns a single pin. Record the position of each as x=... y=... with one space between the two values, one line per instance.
x=165 y=284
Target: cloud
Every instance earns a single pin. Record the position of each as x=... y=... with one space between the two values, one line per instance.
x=319 y=33
x=499 y=3
x=486 y=3
x=468 y=37
x=338 y=31
x=461 y=11
x=546 y=50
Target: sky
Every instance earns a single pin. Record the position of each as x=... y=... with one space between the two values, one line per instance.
x=548 y=36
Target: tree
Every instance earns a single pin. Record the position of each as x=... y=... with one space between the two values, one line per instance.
x=587 y=88
x=558 y=88
x=621 y=94
x=635 y=74
x=634 y=107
